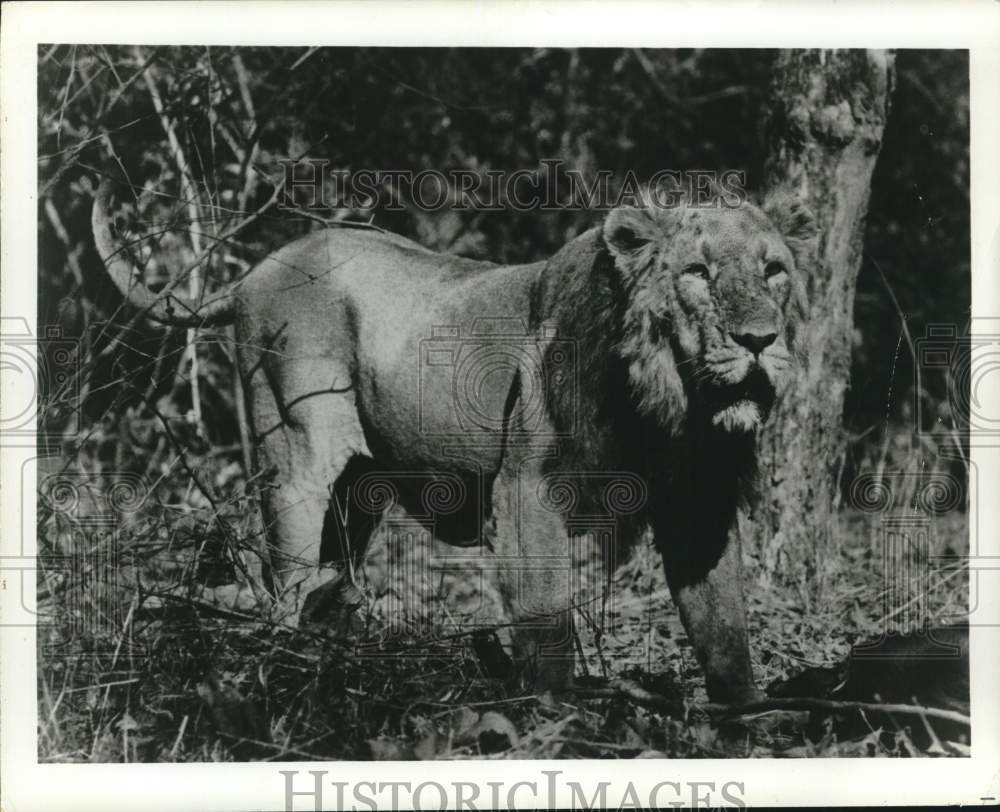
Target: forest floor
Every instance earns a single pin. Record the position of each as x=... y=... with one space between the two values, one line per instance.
x=143 y=664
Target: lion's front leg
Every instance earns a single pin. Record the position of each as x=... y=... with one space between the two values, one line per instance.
x=543 y=635
x=534 y=567
x=705 y=575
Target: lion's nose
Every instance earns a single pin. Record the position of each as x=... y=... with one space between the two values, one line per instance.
x=755 y=340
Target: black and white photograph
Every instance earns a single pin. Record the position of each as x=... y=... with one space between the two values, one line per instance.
x=457 y=402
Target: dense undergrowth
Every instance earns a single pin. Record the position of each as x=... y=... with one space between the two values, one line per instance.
x=152 y=646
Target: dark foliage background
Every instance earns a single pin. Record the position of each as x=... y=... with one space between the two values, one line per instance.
x=201 y=133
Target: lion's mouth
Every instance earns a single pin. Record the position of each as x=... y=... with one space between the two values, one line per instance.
x=744 y=404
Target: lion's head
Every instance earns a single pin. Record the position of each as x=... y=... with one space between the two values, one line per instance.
x=713 y=299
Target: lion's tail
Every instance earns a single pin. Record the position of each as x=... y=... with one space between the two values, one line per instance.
x=161 y=306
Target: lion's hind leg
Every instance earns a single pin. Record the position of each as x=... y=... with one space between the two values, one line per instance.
x=347 y=531
x=307 y=435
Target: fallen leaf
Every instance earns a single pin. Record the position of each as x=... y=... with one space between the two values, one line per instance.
x=462 y=722
x=427 y=749
x=127 y=723
x=390 y=750
x=495 y=733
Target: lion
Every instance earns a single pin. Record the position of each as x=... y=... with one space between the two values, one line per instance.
x=617 y=387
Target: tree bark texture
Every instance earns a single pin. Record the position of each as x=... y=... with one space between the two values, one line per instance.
x=828 y=113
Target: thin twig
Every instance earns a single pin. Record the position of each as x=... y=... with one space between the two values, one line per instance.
x=190 y=194
x=627 y=689
x=180 y=735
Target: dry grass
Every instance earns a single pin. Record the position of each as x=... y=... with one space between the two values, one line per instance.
x=164 y=661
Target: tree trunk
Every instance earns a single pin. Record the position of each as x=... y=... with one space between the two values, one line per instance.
x=828 y=113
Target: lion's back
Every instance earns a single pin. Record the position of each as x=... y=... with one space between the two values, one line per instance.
x=412 y=325
x=374 y=276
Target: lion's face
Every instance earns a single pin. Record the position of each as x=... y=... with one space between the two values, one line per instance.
x=713 y=298
x=728 y=273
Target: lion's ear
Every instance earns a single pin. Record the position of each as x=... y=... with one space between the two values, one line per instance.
x=628 y=230
x=797 y=225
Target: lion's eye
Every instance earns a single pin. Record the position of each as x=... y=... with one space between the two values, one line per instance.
x=773 y=269
x=697 y=269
